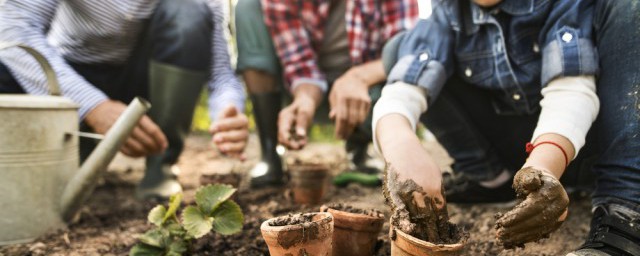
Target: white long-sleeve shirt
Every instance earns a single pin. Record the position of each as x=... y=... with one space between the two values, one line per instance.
x=94 y=31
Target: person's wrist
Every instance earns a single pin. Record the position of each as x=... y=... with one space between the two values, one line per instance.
x=93 y=114
x=359 y=73
x=309 y=94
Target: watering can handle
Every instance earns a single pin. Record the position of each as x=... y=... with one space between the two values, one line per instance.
x=52 y=81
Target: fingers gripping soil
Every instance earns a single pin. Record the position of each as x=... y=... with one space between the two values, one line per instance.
x=416 y=213
x=541 y=212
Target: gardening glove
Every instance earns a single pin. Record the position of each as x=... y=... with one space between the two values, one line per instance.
x=542 y=211
x=416 y=211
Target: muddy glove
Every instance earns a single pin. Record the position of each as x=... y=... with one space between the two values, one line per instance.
x=542 y=211
x=414 y=211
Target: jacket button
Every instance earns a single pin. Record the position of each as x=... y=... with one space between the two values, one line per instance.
x=468 y=72
x=516 y=96
x=423 y=57
x=536 y=48
x=567 y=37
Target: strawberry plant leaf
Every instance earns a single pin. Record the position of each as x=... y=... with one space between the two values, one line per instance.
x=228 y=218
x=154 y=237
x=210 y=197
x=178 y=247
x=174 y=203
x=145 y=250
x=156 y=215
x=196 y=223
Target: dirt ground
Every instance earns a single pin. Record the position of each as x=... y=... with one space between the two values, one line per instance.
x=110 y=221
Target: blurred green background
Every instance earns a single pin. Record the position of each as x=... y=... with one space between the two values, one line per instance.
x=322 y=132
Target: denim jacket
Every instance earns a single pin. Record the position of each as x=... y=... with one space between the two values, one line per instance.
x=513 y=49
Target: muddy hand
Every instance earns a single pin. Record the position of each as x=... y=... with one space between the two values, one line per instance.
x=415 y=211
x=543 y=210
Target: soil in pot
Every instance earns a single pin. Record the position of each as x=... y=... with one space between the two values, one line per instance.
x=420 y=224
x=299 y=234
x=355 y=230
x=308 y=182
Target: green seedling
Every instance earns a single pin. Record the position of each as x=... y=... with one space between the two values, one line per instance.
x=172 y=236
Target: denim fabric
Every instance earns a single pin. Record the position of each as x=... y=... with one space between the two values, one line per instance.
x=617 y=170
x=480 y=144
x=512 y=49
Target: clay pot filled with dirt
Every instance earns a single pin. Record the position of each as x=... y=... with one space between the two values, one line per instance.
x=355 y=230
x=299 y=234
x=403 y=244
x=308 y=182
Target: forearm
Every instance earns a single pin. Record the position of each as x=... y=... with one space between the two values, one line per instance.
x=308 y=93
x=569 y=107
x=393 y=132
x=371 y=73
x=224 y=87
x=549 y=157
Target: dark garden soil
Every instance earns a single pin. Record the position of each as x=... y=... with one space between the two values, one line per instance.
x=110 y=221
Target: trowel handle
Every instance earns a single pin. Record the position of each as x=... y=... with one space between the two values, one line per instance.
x=52 y=80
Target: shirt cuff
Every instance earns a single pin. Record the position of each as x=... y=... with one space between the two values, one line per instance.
x=399 y=98
x=569 y=107
x=568 y=55
x=219 y=101
x=321 y=83
x=421 y=71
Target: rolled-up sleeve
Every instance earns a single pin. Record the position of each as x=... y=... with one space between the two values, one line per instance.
x=567 y=37
x=224 y=87
x=425 y=54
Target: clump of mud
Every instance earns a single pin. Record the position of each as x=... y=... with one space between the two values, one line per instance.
x=292 y=219
x=348 y=208
x=425 y=219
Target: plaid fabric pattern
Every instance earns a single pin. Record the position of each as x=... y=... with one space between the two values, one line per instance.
x=297 y=28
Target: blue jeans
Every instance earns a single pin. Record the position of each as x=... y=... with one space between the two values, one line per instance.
x=179 y=33
x=484 y=142
x=617 y=170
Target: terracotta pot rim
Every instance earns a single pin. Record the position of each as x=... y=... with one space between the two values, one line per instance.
x=324 y=219
x=421 y=243
x=354 y=215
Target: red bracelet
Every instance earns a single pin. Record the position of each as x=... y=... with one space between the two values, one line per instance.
x=530 y=147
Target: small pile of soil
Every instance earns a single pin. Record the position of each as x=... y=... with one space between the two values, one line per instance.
x=348 y=208
x=292 y=219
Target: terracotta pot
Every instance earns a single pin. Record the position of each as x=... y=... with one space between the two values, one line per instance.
x=308 y=182
x=311 y=238
x=403 y=244
x=354 y=234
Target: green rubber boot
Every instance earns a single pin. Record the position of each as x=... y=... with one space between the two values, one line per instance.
x=173 y=93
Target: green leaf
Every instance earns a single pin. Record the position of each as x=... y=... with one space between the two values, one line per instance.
x=145 y=250
x=154 y=237
x=228 y=218
x=175 y=229
x=156 y=215
x=174 y=203
x=195 y=222
x=177 y=247
x=210 y=197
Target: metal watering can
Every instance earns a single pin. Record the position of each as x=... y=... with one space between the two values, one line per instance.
x=41 y=186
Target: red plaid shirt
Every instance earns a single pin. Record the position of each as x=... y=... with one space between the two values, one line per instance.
x=297 y=28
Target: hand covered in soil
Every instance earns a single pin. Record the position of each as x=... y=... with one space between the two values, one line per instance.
x=543 y=210
x=417 y=210
x=350 y=103
x=230 y=132
x=145 y=139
